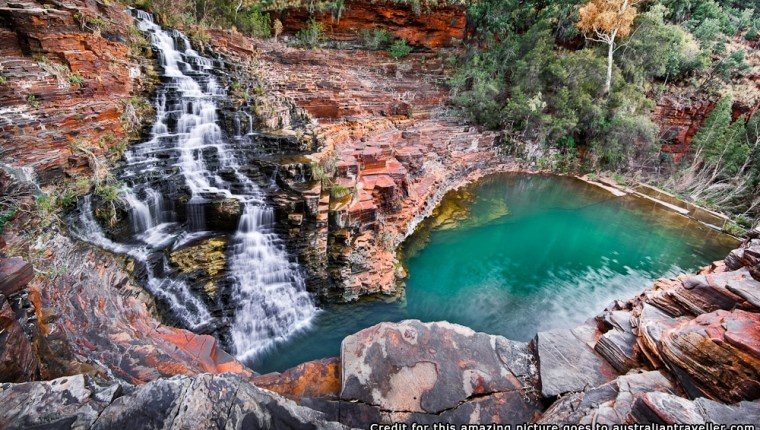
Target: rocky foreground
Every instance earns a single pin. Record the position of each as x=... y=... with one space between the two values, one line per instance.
x=687 y=350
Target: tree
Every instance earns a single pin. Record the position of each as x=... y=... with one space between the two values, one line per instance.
x=605 y=21
x=277 y=27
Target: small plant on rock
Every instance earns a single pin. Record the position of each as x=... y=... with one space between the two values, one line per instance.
x=33 y=102
x=400 y=49
x=76 y=79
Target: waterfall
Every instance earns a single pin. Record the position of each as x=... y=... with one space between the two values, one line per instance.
x=269 y=292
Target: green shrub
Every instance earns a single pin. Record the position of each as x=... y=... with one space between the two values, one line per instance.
x=400 y=49
x=255 y=23
x=76 y=79
x=375 y=38
x=734 y=229
x=311 y=35
x=339 y=191
x=751 y=34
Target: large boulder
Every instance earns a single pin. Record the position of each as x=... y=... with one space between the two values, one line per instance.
x=419 y=372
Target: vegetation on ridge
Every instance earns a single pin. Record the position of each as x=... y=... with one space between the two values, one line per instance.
x=586 y=106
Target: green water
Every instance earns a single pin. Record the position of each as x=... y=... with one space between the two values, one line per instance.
x=517 y=254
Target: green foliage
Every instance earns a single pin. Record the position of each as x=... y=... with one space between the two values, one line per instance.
x=733 y=229
x=76 y=79
x=311 y=35
x=108 y=193
x=6 y=216
x=751 y=33
x=399 y=49
x=31 y=99
x=659 y=50
x=375 y=38
x=339 y=191
x=46 y=203
x=256 y=23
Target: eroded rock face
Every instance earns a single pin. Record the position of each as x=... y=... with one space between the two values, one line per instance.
x=411 y=369
x=385 y=144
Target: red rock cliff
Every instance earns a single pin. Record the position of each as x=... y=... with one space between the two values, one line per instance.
x=66 y=73
x=431 y=29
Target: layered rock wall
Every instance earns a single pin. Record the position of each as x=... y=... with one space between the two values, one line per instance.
x=426 y=28
x=68 y=71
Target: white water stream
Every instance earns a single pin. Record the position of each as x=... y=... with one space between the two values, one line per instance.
x=271 y=300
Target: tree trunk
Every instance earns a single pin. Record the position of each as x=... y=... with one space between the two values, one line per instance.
x=610 y=51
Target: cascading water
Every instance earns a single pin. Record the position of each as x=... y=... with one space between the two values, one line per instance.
x=187 y=143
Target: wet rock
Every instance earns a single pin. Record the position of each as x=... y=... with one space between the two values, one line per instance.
x=409 y=369
x=18 y=363
x=15 y=273
x=202 y=262
x=223 y=215
x=314 y=379
x=567 y=363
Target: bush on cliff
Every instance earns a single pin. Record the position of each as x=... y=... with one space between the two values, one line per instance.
x=399 y=49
